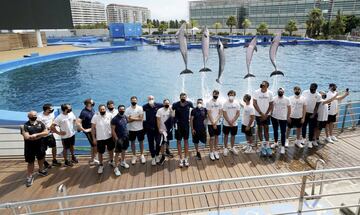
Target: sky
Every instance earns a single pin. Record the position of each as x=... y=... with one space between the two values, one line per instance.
x=160 y=9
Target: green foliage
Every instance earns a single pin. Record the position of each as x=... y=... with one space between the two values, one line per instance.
x=223 y=33
x=262 y=29
x=99 y=25
x=291 y=27
x=162 y=28
x=172 y=32
x=325 y=29
x=239 y=34
x=193 y=23
x=249 y=34
x=231 y=22
x=145 y=33
x=217 y=25
x=338 y=25
x=351 y=22
x=314 y=23
x=149 y=25
x=246 y=24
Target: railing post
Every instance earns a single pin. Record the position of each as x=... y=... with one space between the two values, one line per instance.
x=302 y=194
x=61 y=191
x=358 y=208
x=344 y=118
x=319 y=161
x=218 y=197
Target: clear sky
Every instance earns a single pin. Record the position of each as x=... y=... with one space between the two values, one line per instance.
x=160 y=9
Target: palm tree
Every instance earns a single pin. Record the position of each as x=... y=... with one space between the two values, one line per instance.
x=291 y=26
x=262 y=29
x=193 y=23
x=231 y=21
x=217 y=25
x=149 y=25
x=246 y=24
x=314 y=23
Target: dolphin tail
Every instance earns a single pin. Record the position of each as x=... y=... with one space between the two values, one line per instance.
x=218 y=80
x=249 y=75
x=205 y=69
x=276 y=72
x=186 y=71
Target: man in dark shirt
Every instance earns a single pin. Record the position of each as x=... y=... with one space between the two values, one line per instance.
x=198 y=128
x=85 y=119
x=33 y=131
x=182 y=113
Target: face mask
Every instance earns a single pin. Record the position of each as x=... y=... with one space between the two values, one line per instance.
x=183 y=100
x=261 y=85
x=151 y=102
x=33 y=119
x=231 y=98
x=111 y=109
x=133 y=103
x=92 y=104
x=215 y=97
x=121 y=112
x=166 y=106
x=102 y=113
x=297 y=93
x=51 y=111
x=280 y=94
x=69 y=111
x=333 y=89
x=199 y=105
x=323 y=96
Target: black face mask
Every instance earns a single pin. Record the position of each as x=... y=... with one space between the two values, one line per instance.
x=51 y=111
x=215 y=97
x=333 y=89
x=121 y=112
x=261 y=85
x=280 y=94
x=92 y=104
x=111 y=109
x=102 y=113
x=323 y=96
x=312 y=91
x=69 y=110
x=183 y=100
x=133 y=103
x=33 y=119
x=297 y=93
x=166 y=106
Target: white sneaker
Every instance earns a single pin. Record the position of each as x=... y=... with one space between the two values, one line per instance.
x=216 y=154
x=298 y=144
x=124 y=165
x=186 y=162
x=117 y=171
x=153 y=161
x=286 y=143
x=212 y=156
x=302 y=141
x=181 y=163
x=157 y=159
x=249 y=150
x=282 y=150
x=142 y=158
x=274 y=145
x=334 y=138
x=93 y=162
x=310 y=145
x=315 y=143
x=245 y=147
x=100 y=169
x=133 y=160
x=112 y=164
x=226 y=152
x=234 y=150
x=329 y=140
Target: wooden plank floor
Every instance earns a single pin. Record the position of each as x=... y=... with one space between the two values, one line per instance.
x=84 y=179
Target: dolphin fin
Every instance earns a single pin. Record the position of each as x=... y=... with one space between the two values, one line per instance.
x=249 y=75
x=186 y=71
x=255 y=48
x=205 y=69
x=246 y=45
x=282 y=45
x=276 y=72
x=218 y=80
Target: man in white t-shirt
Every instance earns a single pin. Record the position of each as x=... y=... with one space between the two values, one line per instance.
x=248 y=119
x=312 y=100
x=135 y=116
x=262 y=101
x=297 y=115
x=111 y=108
x=280 y=116
x=214 y=110
x=162 y=115
x=231 y=113
x=101 y=133
x=66 y=121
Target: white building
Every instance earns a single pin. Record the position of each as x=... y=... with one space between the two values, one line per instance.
x=126 y=14
x=87 y=12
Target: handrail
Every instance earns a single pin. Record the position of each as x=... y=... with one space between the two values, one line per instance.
x=318 y=163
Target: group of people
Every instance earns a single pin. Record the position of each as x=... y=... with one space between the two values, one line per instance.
x=110 y=129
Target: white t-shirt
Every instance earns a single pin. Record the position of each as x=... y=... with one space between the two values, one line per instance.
x=134 y=112
x=248 y=111
x=113 y=113
x=47 y=120
x=164 y=115
x=280 y=109
x=263 y=100
x=66 y=123
x=102 y=126
x=323 y=111
x=214 y=107
x=297 y=106
x=333 y=106
x=231 y=108
x=311 y=100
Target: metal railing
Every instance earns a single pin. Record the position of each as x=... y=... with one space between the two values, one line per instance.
x=300 y=179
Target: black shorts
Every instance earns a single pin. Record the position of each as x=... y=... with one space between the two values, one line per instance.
x=295 y=122
x=321 y=124
x=140 y=135
x=233 y=130
x=68 y=142
x=331 y=118
x=214 y=132
x=49 y=141
x=199 y=136
x=90 y=138
x=182 y=132
x=260 y=122
x=109 y=143
x=34 y=149
x=248 y=133
x=122 y=144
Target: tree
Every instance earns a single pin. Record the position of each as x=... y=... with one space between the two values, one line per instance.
x=172 y=24
x=314 y=22
x=157 y=23
x=338 y=26
x=217 y=25
x=230 y=22
x=193 y=23
x=351 y=22
x=177 y=24
x=246 y=24
x=263 y=28
x=182 y=22
x=291 y=27
x=149 y=25
x=154 y=23
x=325 y=29
x=162 y=28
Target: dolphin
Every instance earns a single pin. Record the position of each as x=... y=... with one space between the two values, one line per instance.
x=272 y=53
x=183 y=47
x=205 y=42
x=250 y=48
x=221 y=53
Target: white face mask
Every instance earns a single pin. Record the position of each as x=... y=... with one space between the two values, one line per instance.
x=151 y=102
x=231 y=98
x=199 y=105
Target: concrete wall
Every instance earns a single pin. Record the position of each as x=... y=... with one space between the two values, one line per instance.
x=11 y=41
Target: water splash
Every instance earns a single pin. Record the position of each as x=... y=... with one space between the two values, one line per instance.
x=275 y=83
x=249 y=88
x=183 y=84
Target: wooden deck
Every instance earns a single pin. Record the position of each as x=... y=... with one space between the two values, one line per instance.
x=84 y=179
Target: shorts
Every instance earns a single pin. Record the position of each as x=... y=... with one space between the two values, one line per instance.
x=331 y=118
x=109 y=143
x=199 y=136
x=261 y=122
x=321 y=124
x=90 y=138
x=233 y=130
x=140 y=135
x=214 y=132
x=68 y=142
x=122 y=144
x=34 y=149
x=182 y=132
x=295 y=122
x=49 y=141
x=248 y=133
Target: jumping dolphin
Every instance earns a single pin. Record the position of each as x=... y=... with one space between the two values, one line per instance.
x=205 y=42
x=183 y=47
x=221 y=53
x=273 y=49
x=250 y=48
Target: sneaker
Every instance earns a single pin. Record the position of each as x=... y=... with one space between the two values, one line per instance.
x=56 y=163
x=133 y=160
x=168 y=153
x=93 y=162
x=29 y=181
x=310 y=145
x=157 y=159
x=234 y=150
x=282 y=150
x=245 y=147
x=117 y=171
x=263 y=151
x=68 y=164
x=162 y=160
x=153 y=161
x=315 y=143
x=249 y=150
x=302 y=141
x=47 y=165
x=329 y=140
x=286 y=143
x=198 y=156
x=298 y=144
x=142 y=158
x=334 y=138
x=319 y=142
x=112 y=164
x=186 y=162
x=101 y=169
x=269 y=151
x=43 y=172
x=74 y=159
x=216 y=154
x=226 y=152
x=124 y=165
x=212 y=156
x=274 y=145
x=181 y=163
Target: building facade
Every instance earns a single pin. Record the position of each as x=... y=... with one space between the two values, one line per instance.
x=127 y=14
x=87 y=12
x=276 y=13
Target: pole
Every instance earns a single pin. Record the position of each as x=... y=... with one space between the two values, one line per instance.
x=38 y=38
